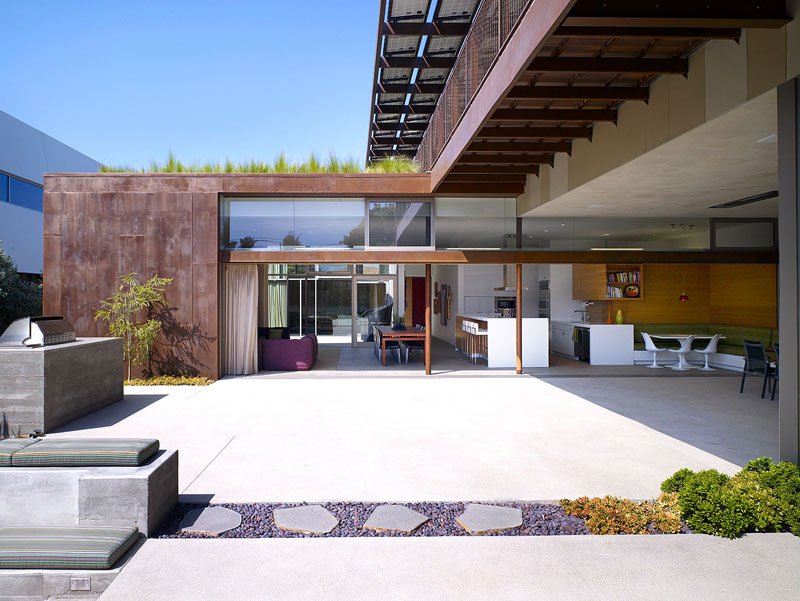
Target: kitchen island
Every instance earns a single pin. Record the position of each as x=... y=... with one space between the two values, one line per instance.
x=501 y=340
x=609 y=344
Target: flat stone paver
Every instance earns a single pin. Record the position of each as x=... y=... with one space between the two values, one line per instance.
x=311 y=519
x=395 y=517
x=211 y=520
x=478 y=519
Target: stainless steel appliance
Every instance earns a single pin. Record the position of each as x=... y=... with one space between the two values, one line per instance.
x=38 y=331
x=505 y=302
x=581 y=343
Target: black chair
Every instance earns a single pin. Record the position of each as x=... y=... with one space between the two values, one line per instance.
x=391 y=345
x=776 y=375
x=756 y=363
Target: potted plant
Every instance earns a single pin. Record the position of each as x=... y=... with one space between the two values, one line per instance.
x=398 y=323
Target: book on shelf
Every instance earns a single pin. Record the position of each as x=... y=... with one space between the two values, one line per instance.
x=625 y=277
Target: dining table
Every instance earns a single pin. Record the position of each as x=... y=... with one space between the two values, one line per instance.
x=398 y=334
x=680 y=338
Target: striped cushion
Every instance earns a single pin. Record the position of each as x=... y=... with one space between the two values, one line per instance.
x=64 y=547
x=9 y=446
x=76 y=452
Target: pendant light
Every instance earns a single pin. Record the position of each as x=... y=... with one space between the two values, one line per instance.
x=684 y=297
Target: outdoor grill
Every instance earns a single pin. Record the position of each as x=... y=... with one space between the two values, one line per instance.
x=38 y=331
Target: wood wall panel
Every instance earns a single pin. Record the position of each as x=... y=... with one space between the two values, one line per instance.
x=744 y=294
x=662 y=285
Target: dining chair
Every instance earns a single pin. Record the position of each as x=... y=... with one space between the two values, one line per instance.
x=756 y=363
x=777 y=370
x=392 y=346
x=711 y=348
x=685 y=349
x=649 y=345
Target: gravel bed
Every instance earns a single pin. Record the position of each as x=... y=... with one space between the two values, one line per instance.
x=257 y=521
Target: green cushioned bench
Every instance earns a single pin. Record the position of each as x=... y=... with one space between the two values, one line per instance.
x=9 y=446
x=64 y=547
x=76 y=452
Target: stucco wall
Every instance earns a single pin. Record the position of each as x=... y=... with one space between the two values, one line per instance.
x=722 y=75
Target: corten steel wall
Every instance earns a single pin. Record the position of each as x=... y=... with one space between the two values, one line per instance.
x=98 y=227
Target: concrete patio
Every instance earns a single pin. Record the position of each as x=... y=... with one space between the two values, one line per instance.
x=458 y=436
x=758 y=567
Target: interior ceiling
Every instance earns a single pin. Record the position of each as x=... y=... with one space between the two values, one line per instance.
x=719 y=161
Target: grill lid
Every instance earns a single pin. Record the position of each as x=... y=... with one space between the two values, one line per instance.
x=38 y=331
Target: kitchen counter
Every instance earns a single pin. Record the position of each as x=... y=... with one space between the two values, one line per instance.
x=502 y=340
x=609 y=344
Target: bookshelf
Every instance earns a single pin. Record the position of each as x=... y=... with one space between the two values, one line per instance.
x=611 y=281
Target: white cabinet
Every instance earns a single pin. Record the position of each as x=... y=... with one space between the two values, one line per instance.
x=561 y=338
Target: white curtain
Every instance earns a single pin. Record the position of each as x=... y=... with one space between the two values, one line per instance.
x=278 y=297
x=241 y=319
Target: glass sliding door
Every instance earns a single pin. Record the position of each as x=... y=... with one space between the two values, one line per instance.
x=373 y=304
x=334 y=313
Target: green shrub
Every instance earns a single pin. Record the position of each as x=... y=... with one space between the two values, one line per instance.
x=171 y=381
x=675 y=482
x=763 y=497
x=612 y=515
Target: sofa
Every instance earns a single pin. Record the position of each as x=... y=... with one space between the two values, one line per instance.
x=287 y=355
x=732 y=344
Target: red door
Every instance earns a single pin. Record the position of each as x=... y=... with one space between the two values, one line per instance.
x=417 y=301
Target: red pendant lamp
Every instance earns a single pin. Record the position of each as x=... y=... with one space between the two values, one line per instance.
x=684 y=297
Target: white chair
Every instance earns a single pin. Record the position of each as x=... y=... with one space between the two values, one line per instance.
x=711 y=348
x=649 y=345
x=686 y=347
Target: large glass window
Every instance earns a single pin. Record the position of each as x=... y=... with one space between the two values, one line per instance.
x=745 y=233
x=3 y=187
x=25 y=195
x=399 y=223
x=482 y=223
x=601 y=233
x=291 y=223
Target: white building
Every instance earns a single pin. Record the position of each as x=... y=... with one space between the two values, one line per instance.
x=25 y=155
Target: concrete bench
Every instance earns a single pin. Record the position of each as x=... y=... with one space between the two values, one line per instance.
x=140 y=496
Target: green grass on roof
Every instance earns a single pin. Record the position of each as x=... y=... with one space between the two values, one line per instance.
x=281 y=164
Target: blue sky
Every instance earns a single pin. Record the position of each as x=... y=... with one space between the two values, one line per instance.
x=125 y=82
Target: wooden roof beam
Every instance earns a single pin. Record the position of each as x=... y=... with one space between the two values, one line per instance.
x=531 y=147
x=607 y=93
x=639 y=66
x=558 y=133
x=585 y=115
x=507 y=159
x=460 y=178
x=661 y=33
x=489 y=188
x=495 y=169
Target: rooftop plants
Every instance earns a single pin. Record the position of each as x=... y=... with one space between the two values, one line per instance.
x=313 y=164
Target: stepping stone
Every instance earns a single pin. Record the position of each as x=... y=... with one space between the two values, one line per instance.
x=395 y=517
x=478 y=519
x=211 y=520
x=310 y=519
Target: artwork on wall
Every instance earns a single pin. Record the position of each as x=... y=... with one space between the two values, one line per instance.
x=436 y=305
x=445 y=298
